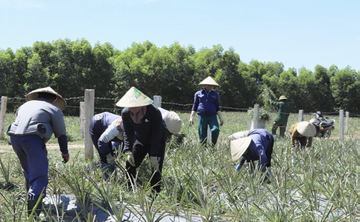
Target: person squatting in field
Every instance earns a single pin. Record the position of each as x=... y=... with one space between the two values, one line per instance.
x=106 y=131
x=302 y=133
x=36 y=120
x=145 y=134
x=207 y=105
x=253 y=145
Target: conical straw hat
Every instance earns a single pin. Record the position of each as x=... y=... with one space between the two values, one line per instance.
x=306 y=129
x=134 y=98
x=238 y=147
x=173 y=122
x=60 y=101
x=208 y=81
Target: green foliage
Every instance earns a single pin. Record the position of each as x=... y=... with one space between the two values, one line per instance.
x=173 y=72
x=200 y=182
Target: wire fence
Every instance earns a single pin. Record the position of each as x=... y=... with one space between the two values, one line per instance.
x=73 y=101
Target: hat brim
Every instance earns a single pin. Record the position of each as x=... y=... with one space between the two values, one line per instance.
x=173 y=122
x=238 y=147
x=59 y=102
x=306 y=129
x=134 y=98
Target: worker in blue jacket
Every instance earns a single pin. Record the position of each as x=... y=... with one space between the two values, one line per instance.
x=256 y=146
x=207 y=106
x=106 y=131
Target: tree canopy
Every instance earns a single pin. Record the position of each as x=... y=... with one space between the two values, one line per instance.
x=173 y=72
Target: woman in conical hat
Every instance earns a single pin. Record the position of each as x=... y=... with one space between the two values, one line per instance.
x=302 y=133
x=256 y=145
x=207 y=106
x=144 y=134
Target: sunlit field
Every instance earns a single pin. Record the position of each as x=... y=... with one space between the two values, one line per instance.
x=199 y=183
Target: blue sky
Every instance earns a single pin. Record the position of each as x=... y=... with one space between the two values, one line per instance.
x=298 y=33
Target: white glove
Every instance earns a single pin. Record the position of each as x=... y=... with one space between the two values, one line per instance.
x=110 y=159
x=154 y=162
x=191 y=121
x=130 y=158
x=221 y=118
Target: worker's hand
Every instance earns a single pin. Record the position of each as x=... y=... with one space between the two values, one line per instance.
x=66 y=157
x=191 y=121
x=238 y=167
x=220 y=118
x=154 y=162
x=110 y=159
x=130 y=158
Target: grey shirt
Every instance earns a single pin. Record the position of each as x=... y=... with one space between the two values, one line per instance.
x=35 y=112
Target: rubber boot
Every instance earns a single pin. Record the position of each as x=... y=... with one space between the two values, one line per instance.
x=31 y=205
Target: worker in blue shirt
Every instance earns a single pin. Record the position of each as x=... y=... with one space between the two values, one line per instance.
x=106 y=131
x=35 y=122
x=257 y=145
x=207 y=106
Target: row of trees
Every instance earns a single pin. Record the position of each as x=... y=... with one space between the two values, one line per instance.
x=173 y=72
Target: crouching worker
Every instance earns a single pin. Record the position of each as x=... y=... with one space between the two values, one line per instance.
x=144 y=135
x=302 y=133
x=106 y=131
x=257 y=145
x=35 y=122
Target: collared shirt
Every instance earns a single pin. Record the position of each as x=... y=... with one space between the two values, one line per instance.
x=206 y=103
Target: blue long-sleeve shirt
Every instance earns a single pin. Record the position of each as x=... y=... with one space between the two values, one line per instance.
x=261 y=143
x=206 y=103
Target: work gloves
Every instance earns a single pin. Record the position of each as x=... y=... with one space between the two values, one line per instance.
x=130 y=158
x=66 y=157
x=192 y=115
x=220 y=118
x=154 y=162
x=238 y=167
x=110 y=159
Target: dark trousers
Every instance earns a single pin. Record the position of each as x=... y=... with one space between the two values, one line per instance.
x=282 y=128
x=140 y=153
x=32 y=153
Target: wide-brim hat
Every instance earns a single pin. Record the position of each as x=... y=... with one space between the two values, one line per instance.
x=282 y=97
x=59 y=102
x=134 y=98
x=208 y=81
x=173 y=122
x=306 y=129
x=238 y=147
x=239 y=135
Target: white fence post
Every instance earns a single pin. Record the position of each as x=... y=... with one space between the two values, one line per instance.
x=82 y=119
x=347 y=114
x=2 y=117
x=256 y=116
x=341 y=124
x=89 y=105
x=301 y=115
x=157 y=101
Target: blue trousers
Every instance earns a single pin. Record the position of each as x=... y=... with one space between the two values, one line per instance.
x=213 y=123
x=32 y=153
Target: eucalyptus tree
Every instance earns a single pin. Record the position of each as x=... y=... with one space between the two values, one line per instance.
x=322 y=97
x=345 y=89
